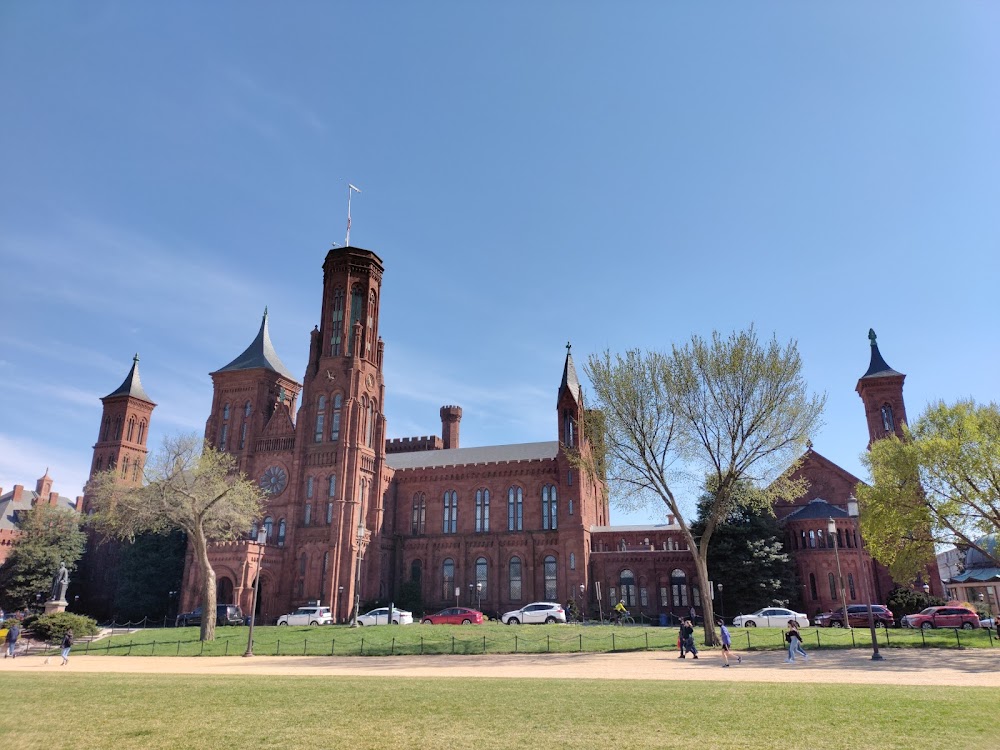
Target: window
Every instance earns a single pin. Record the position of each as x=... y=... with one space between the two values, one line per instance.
x=450 y=525
x=415 y=571
x=549 y=567
x=887 y=421
x=678 y=587
x=125 y=467
x=569 y=479
x=320 y=417
x=302 y=564
x=309 y=487
x=695 y=596
x=135 y=470
x=142 y=432
x=570 y=506
x=97 y=464
x=243 y=435
x=812 y=587
x=514 y=578
x=223 y=437
x=246 y=410
x=626 y=582
x=107 y=428
x=572 y=561
x=515 y=509
x=850 y=585
x=225 y=411
x=370 y=425
x=331 y=488
x=254 y=530
x=329 y=513
x=308 y=515
x=833 y=586
x=281 y=533
x=326 y=561
x=268 y=527
x=812 y=542
x=338 y=401
x=419 y=519
x=549 y=507
x=482 y=510
x=569 y=429
x=370 y=333
x=357 y=307
x=643 y=597
x=482 y=568
x=448 y=576
x=337 y=323
x=131 y=429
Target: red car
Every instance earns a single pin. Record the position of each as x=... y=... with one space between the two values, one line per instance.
x=454 y=616
x=943 y=617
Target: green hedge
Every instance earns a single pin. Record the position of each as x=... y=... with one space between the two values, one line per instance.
x=53 y=627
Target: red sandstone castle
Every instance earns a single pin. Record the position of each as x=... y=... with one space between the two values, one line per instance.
x=350 y=512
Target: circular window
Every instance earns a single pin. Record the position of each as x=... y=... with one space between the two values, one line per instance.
x=274 y=480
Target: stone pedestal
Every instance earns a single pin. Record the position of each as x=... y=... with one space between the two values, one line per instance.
x=55 y=605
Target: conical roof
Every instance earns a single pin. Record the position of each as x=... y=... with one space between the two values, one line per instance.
x=878 y=367
x=260 y=354
x=569 y=379
x=132 y=385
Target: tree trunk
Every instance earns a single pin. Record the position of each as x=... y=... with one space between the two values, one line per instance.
x=207 y=587
x=707 y=608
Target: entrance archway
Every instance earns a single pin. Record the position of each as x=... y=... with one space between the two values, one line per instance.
x=224 y=591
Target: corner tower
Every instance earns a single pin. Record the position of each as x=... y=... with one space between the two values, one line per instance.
x=881 y=390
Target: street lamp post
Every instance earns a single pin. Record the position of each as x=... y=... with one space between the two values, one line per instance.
x=583 y=591
x=458 y=593
x=472 y=587
x=340 y=596
x=854 y=512
x=831 y=530
x=722 y=602
x=479 y=595
x=261 y=539
x=362 y=542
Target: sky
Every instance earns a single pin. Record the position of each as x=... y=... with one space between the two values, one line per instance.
x=608 y=174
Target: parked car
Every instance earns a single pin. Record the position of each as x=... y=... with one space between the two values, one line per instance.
x=943 y=617
x=771 y=617
x=537 y=612
x=311 y=615
x=225 y=614
x=380 y=616
x=857 y=617
x=988 y=622
x=454 y=616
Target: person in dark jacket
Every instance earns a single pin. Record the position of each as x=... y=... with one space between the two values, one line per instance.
x=13 y=633
x=67 y=644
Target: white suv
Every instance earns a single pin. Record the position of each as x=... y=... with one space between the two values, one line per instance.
x=311 y=615
x=537 y=612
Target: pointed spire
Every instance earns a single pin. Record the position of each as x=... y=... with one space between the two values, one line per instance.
x=569 y=379
x=878 y=367
x=260 y=354
x=132 y=385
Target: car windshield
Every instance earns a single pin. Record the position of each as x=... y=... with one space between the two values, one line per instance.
x=929 y=611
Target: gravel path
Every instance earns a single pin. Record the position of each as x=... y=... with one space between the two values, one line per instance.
x=975 y=667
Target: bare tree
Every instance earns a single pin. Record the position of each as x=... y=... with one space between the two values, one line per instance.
x=187 y=486
x=731 y=415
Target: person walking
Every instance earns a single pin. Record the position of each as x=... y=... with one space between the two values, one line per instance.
x=687 y=631
x=67 y=644
x=727 y=642
x=13 y=633
x=794 y=639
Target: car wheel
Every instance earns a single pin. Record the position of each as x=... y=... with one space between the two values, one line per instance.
x=513 y=621
x=314 y=622
x=282 y=624
x=549 y=620
x=466 y=621
x=360 y=624
x=426 y=622
x=966 y=626
x=879 y=624
x=749 y=624
x=928 y=626
x=836 y=624
x=395 y=622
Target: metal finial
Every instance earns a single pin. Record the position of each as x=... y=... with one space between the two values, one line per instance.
x=136 y=358
x=809 y=444
x=568 y=347
x=871 y=336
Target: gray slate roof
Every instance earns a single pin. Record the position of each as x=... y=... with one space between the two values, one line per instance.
x=260 y=355
x=815 y=509
x=489 y=454
x=878 y=367
x=9 y=510
x=132 y=385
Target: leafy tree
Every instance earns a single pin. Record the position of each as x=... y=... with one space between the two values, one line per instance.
x=49 y=536
x=732 y=409
x=940 y=484
x=189 y=487
x=150 y=568
x=747 y=557
x=411 y=598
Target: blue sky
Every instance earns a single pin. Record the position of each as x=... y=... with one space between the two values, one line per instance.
x=616 y=175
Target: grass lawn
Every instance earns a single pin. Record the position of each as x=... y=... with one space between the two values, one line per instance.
x=122 y=711
x=495 y=639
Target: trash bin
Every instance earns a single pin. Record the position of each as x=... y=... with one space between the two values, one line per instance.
x=663 y=619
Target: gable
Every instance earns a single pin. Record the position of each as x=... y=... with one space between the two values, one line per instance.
x=826 y=481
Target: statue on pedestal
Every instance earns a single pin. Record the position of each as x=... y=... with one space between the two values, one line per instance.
x=60 y=582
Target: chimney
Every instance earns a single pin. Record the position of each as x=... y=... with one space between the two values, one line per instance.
x=18 y=492
x=450 y=417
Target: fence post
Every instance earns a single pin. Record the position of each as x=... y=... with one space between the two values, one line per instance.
x=957 y=638
x=923 y=640
x=854 y=641
x=178 y=648
x=817 y=638
x=305 y=646
x=453 y=644
x=130 y=644
x=581 y=643
x=612 y=640
x=748 y=639
x=990 y=634
x=484 y=644
x=87 y=650
x=647 y=640
x=548 y=643
x=886 y=629
x=362 y=652
x=108 y=651
x=333 y=641
x=392 y=648
x=153 y=651
x=277 y=648
x=515 y=644
x=421 y=645
x=202 y=649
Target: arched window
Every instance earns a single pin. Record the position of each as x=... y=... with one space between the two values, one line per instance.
x=302 y=564
x=626 y=582
x=572 y=561
x=111 y=462
x=549 y=513
x=118 y=428
x=254 y=530
x=370 y=333
x=107 y=428
x=125 y=467
x=833 y=586
x=450 y=525
x=569 y=429
x=136 y=466
x=812 y=541
x=850 y=585
x=514 y=579
x=482 y=510
x=281 y=533
x=98 y=463
x=225 y=411
x=309 y=486
x=482 y=568
x=448 y=577
x=337 y=323
x=419 y=518
x=515 y=509
x=887 y=422
x=812 y=587
x=243 y=435
x=370 y=425
x=142 y=432
x=268 y=528
x=549 y=567
x=415 y=571
x=331 y=486
x=247 y=408
x=131 y=429
x=678 y=587
x=357 y=308
x=320 y=419
x=338 y=402
x=695 y=596
x=329 y=513
x=307 y=519
x=223 y=436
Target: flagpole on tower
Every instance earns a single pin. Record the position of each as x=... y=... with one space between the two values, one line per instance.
x=350 y=189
